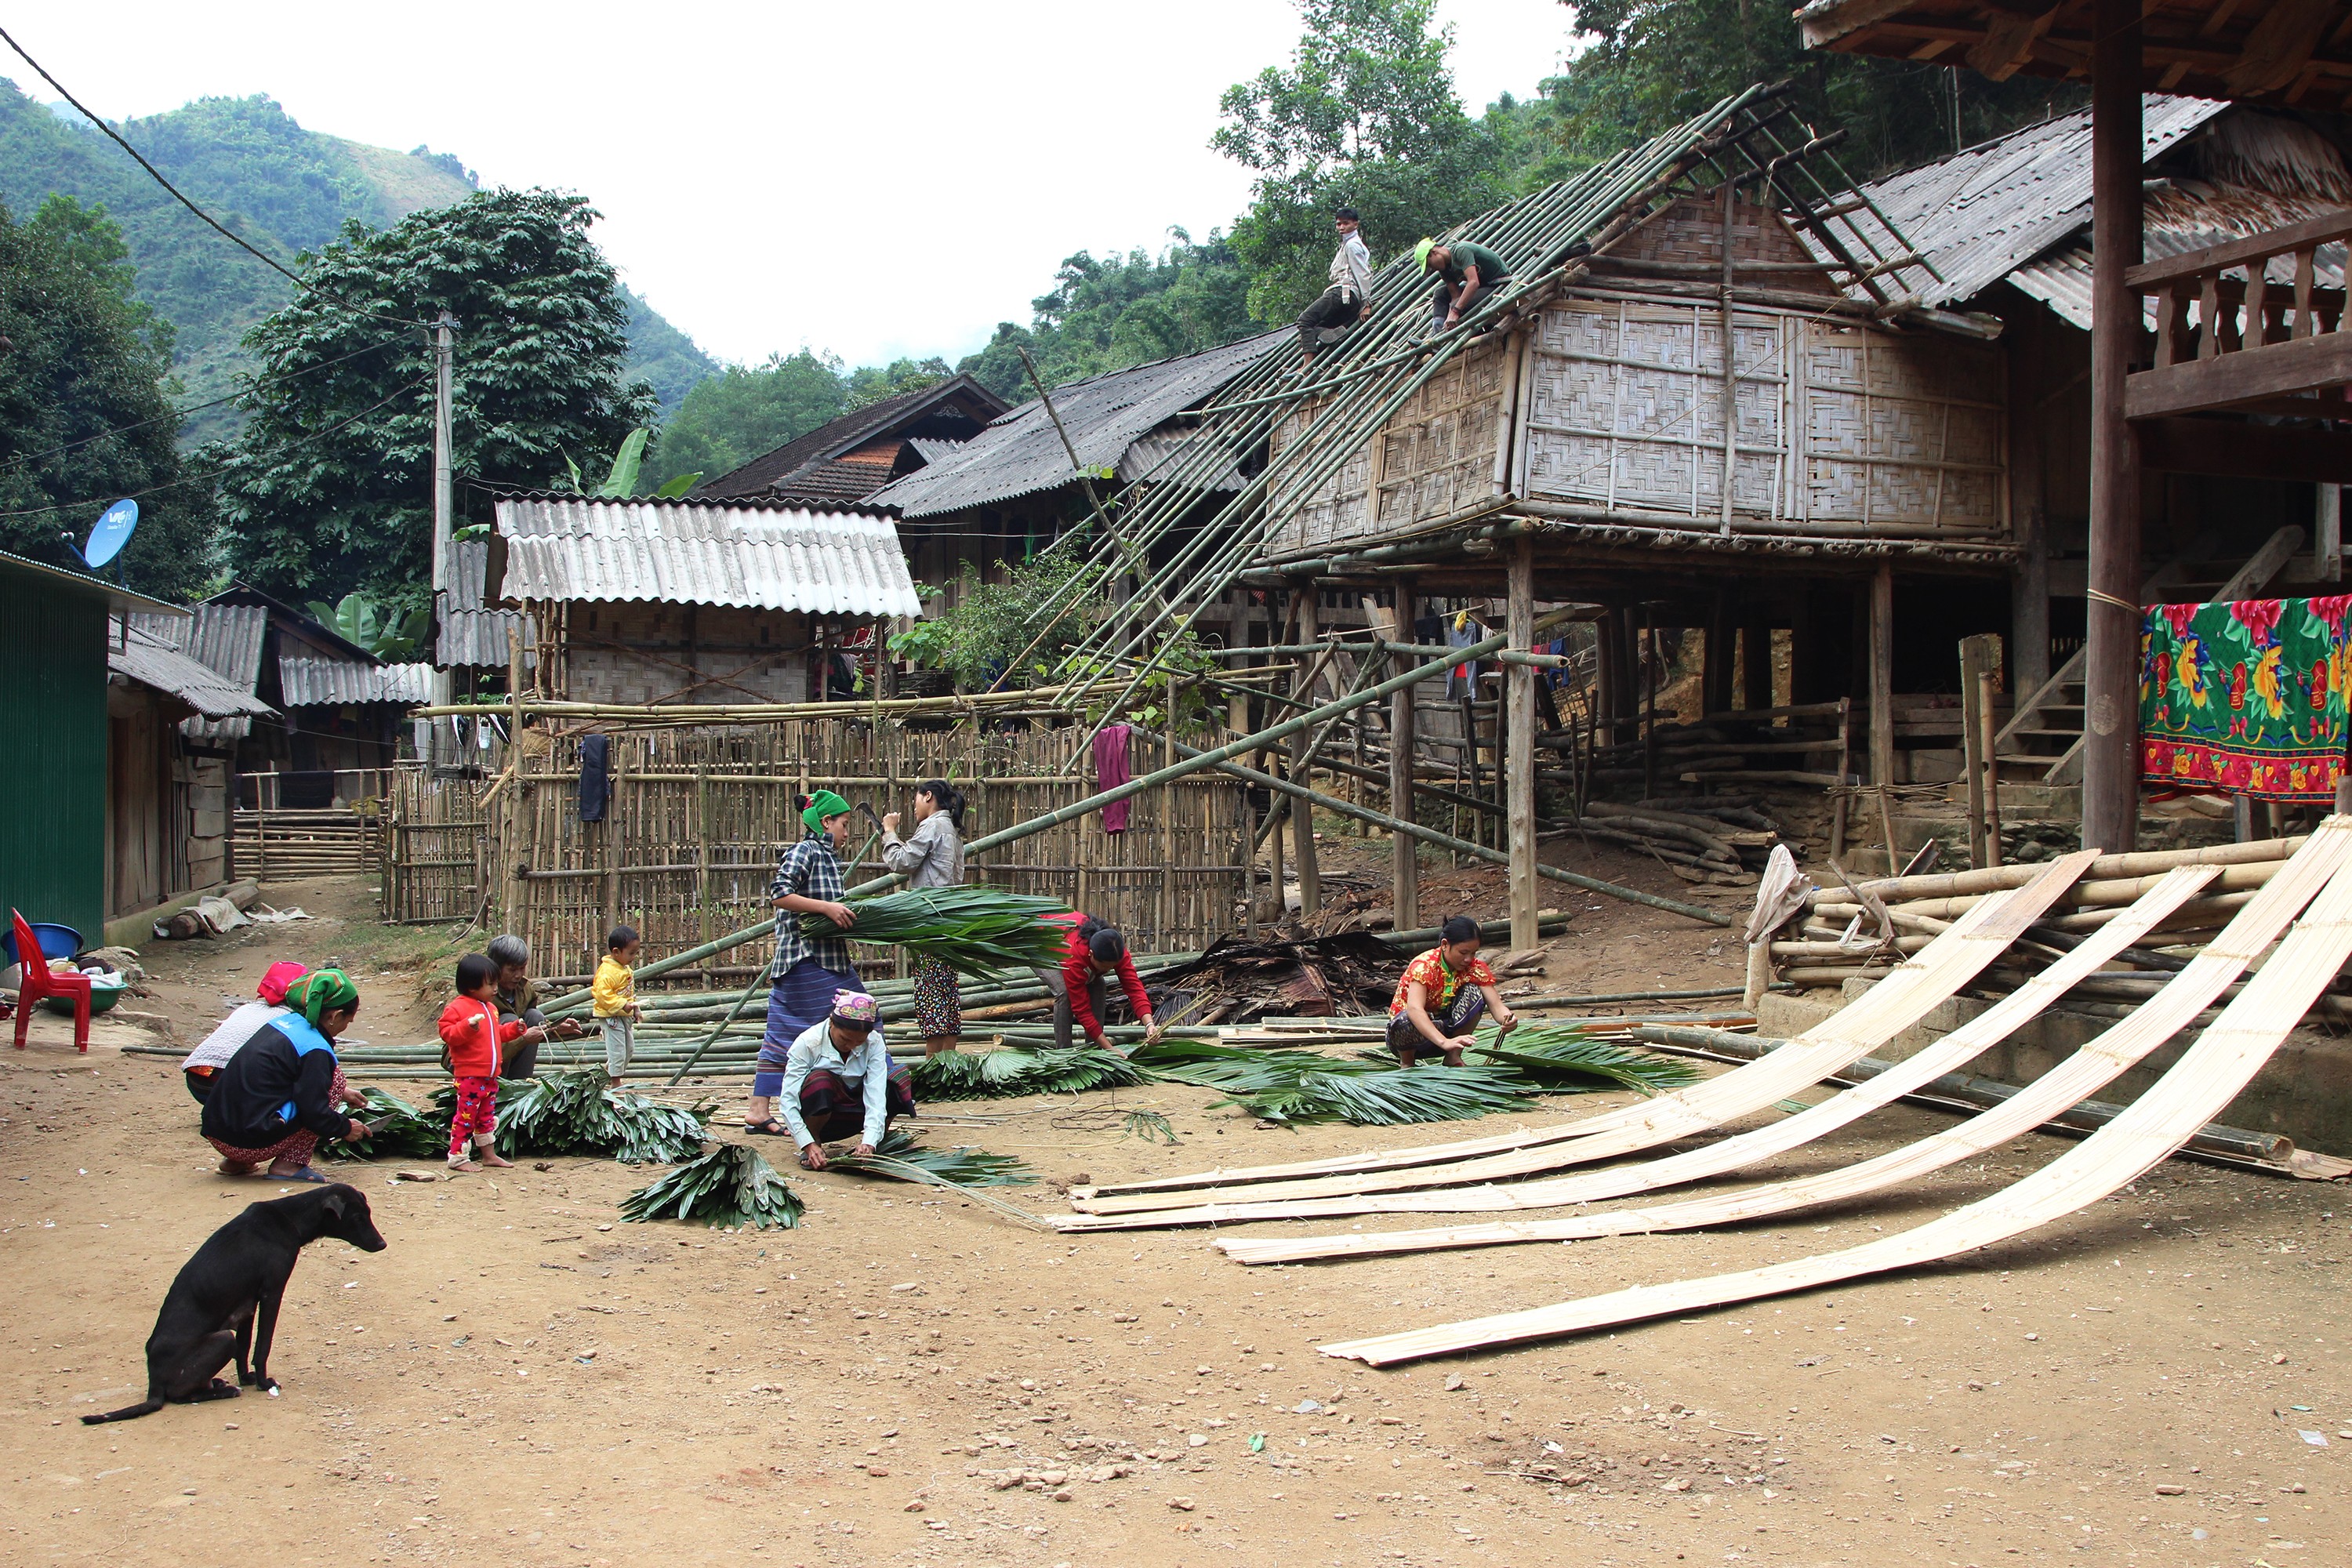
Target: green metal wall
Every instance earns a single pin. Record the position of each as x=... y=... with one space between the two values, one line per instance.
x=53 y=723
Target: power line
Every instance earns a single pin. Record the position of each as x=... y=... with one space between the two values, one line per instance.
x=261 y=256
x=24 y=457
x=294 y=444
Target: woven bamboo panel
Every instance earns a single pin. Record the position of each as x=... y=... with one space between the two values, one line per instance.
x=1902 y=430
x=2209 y=1075
x=1336 y=508
x=434 y=867
x=698 y=820
x=1910 y=990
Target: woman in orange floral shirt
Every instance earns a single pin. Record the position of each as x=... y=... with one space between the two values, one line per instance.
x=1441 y=995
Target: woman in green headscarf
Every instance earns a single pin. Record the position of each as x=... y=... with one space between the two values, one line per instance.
x=808 y=969
x=283 y=1091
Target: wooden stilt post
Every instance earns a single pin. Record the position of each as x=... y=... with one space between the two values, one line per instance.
x=1309 y=603
x=1715 y=677
x=2111 y=661
x=1404 y=851
x=1519 y=765
x=1882 y=702
x=2029 y=589
x=1756 y=666
x=1972 y=744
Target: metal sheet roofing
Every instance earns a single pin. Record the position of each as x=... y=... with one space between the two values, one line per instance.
x=1982 y=213
x=332 y=682
x=224 y=638
x=1022 y=453
x=473 y=633
x=136 y=655
x=693 y=552
x=1152 y=457
x=959 y=393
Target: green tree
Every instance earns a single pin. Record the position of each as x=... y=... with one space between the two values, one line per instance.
x=745 y=410
x=1366 y=116
x=1657 y=62
x=86 y=412
x=1104 y=315
x=873 y=383
x=329 y=488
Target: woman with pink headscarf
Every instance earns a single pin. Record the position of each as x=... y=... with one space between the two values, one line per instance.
x=204 y=1064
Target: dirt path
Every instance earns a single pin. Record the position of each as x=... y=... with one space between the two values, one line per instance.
x=519 y=1379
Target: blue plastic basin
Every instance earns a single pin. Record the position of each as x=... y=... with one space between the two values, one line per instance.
x=57 y=940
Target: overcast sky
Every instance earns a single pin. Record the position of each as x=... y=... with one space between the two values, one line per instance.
x=871 y=178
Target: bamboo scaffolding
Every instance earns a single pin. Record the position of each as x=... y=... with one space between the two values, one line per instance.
x=1947 y=1053
x=1910 y=991
x=2210 y=1074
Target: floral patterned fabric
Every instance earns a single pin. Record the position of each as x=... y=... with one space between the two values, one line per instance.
x=1440 y=980
x=2247 y=698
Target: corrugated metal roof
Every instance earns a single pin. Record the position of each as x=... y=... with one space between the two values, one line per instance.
x=1982 y=213
x=757 y=476
x=332 y=682
x=473 y=633
x=693 y=552
x=1153 y=457
x=224 y=638
x=2062 y=279
x=135 y=655
x=1022 y=454
x=931 y=449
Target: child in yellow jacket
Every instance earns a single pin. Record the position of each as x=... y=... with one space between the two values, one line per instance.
x=614 y=991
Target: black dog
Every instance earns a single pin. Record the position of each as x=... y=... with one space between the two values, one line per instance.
x=208 y=1314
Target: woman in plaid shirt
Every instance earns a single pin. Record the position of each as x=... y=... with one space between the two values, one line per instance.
x=808 y=970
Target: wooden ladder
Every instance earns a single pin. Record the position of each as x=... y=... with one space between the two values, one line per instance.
x=2043 y=741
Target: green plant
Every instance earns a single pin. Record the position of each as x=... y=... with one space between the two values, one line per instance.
x=621 y=479
x=399 y=1130
x=575 y=1113
x=387 y=633
x=992 y=625
x=1149 y=1126
x=899 y=1156
x=975 y=928
x=1567 y=1060
x=731 y=1186
x=1017 y=1070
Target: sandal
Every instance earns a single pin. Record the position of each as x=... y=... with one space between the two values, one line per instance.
x=770 y=1128
x=305 y=1175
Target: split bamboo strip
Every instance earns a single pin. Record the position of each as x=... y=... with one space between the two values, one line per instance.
x=1947 y=1053
x=2140 y=863
x=1910 y=991
x=2209 y=1075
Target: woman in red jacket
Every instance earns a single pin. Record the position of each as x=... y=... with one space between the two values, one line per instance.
x=471 y=1037
x=1094 y=950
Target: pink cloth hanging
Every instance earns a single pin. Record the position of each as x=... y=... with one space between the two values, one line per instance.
x=1110 y=772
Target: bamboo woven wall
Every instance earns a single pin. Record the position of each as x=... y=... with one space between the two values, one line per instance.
x=435 y=860
x=699 y=819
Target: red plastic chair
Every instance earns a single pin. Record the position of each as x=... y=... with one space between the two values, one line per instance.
x=36 y=981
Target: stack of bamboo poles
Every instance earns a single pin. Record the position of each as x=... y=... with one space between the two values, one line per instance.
x=1699 y=841
x=1840 y=935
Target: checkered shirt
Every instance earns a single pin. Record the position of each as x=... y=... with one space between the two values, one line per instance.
x=812 y=871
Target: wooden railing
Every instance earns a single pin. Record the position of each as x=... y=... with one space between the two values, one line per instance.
x=2246 y=341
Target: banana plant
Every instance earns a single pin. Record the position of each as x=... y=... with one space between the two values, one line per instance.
x=385 y=633
x=621 y=479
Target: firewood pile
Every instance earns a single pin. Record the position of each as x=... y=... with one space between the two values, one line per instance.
x=1237 y=980
x=1721 y=840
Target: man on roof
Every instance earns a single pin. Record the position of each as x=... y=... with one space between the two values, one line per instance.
x=1348 y=300
x=1467 y=273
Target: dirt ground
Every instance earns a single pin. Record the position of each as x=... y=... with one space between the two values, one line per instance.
x=521 y=1379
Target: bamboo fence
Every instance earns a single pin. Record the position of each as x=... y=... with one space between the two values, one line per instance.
x=2210 y=1074
x=697 y=820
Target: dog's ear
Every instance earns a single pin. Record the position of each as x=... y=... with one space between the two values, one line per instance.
x=332 y=1200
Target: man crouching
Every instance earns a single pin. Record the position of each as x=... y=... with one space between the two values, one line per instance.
x=838 y=1081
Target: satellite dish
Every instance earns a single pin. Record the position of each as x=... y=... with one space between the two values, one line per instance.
x=115 y=526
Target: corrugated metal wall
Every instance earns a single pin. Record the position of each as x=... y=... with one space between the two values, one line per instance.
x=53 y=710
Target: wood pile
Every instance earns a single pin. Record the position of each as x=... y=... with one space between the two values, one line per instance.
x=1239 y=981
x=1723 y=841
x=1807 y=744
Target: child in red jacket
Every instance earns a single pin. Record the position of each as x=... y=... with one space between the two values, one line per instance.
x=471 y=1033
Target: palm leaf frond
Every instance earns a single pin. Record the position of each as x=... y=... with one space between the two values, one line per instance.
x=974 y=929
x=575 y=1113
x=399 y=1131
x=1015 y=1071
x=731 y=1186
x=1570 y=1061
x=962 y=1167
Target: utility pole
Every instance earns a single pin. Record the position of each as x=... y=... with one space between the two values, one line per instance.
x=443 y=502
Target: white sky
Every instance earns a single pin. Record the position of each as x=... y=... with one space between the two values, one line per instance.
x=743 y=152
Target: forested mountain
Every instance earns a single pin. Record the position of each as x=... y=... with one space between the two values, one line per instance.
x=282 y=188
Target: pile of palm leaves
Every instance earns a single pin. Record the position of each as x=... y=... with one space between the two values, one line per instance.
x=575 y=1113
x=973 y=929
x=1566 y=1060
x=730 y=1187
x=397 y=1131
x=1013 y=1071
x=900 y=1157
x=1301 y=1086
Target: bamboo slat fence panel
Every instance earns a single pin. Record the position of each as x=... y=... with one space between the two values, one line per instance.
x=434 y=856
x=697 y=820
x=277 y=844
x=2209 y=1075
x=1907 y=995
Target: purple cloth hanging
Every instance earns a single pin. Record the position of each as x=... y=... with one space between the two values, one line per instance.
x=1110 y=772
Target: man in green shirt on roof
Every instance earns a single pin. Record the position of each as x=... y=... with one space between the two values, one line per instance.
x=1466 y=274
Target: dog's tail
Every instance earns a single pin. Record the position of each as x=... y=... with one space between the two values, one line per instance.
x=128 y=1413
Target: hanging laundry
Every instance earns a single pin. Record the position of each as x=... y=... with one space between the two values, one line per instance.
x=595 y=776
x=1110 y=772
x=2246 y=698
x=1461 y=681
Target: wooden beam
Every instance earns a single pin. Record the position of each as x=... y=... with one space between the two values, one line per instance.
x=2149 y=277
x=2300 y=365
x=1309 y=601
x=2009 y=43
x=1882 y=678
x=2234 y=449
x=2280 y=46
x=1519 y=765
x=2111 y=663
x=1404 y=851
